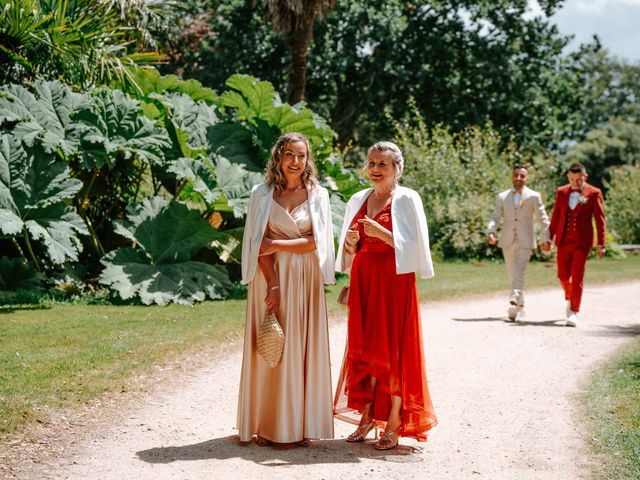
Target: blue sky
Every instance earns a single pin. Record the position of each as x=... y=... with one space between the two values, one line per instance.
x=617 y=23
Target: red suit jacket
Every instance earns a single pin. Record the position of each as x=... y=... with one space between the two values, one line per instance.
x=591 y=206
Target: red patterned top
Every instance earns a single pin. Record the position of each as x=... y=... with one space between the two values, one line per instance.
x=383 y=218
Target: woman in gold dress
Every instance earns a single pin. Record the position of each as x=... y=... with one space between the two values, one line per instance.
x=287 y=257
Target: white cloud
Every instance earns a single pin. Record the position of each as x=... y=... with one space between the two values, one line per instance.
x=614 y=21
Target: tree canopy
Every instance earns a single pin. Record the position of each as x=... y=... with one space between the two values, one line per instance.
x=465 y=62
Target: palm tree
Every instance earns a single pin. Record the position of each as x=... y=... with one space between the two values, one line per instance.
x=82 y=42
x=294 y=19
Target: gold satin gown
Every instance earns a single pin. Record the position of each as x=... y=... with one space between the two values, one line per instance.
x=293 y=400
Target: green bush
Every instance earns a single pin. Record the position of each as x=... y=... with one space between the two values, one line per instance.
x=458 y=176
x=623 y=197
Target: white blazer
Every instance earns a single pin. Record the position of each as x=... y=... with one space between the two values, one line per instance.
x=410 y=232
x=517 y=220
x=258 y=216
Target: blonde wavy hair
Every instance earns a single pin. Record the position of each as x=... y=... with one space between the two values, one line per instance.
x=273 y=173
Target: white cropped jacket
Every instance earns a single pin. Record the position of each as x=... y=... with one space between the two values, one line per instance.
x=258 y=217
x=410 y=232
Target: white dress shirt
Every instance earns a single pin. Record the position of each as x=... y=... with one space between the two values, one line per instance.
x=517 y=196
x=574 y=199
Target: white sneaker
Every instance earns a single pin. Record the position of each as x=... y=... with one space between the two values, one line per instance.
x=512 y=313
x=520 y=313
x=568 y=309
x=572 y=319
x=516 y=297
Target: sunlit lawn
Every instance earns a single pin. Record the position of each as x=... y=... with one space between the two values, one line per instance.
x=613 y=410
x=67 y=354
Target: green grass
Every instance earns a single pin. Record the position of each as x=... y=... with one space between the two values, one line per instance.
x=65 y=355
x=68 y=354
x=457 y=279
x=613 y=409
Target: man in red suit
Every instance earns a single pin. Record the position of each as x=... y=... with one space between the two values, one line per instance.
x=571 y=227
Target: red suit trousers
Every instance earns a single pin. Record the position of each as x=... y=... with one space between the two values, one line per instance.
x=572 y=259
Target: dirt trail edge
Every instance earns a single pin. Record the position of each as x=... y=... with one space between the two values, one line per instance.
x=505 y=395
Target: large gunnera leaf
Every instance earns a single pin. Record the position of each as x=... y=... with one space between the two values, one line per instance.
x=191 y=117
x=223 y=184
x=235 y=142
x=114 y=124
x=160 y=268
x=150 y=81
x=45 y=115
x=186 y=123
x=34 y=187
x=256 y=104
x=250 y=97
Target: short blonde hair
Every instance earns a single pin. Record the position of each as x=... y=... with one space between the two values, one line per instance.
x=273 y=173
x=396 y=155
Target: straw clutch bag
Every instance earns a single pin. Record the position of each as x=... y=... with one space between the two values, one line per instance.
x=270 y=340
x=343 y=296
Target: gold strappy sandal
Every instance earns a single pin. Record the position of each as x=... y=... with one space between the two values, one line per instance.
x=389 y=440
x=361 y=432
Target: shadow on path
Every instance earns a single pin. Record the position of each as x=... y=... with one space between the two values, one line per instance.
x=545 y=323
x=519 y=323
x=617 y=331
x=483 y=319
x=320 y=452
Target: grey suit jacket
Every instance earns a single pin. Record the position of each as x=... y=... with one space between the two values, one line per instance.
x=518 y=219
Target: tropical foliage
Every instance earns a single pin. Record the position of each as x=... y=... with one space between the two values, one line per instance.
x=149 y=192
x=83 y=42
x=161 y=268
x=35 y=187
x=108 y=168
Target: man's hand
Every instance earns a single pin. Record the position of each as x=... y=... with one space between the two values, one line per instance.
x=600 y=250
x=491 y=238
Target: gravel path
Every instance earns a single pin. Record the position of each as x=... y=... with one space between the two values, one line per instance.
x=505 y=395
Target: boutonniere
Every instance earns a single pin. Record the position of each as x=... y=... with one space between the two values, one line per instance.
x=583 y=199
x=521 y=204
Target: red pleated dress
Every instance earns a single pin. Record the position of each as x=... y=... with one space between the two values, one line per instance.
x=384 y=339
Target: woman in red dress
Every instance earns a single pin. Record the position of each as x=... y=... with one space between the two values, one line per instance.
x=384 y=242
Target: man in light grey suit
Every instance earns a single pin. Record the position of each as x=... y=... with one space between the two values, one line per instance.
x=517 y=208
